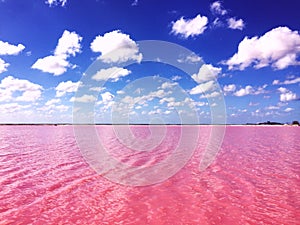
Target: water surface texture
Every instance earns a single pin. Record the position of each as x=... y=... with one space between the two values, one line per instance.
x=44 y=179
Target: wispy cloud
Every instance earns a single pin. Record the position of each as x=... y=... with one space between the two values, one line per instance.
x=56 y=2
x=217 y=8
x=289 y=81
x=135 y=3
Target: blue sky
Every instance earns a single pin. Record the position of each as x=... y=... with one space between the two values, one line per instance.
x=244 y=55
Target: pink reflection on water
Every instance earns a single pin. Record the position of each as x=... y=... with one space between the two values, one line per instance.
x=254 y=180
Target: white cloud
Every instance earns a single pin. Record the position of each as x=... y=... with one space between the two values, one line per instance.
x=97 y=89
x=116 y=47
x=272 y=107
x=283 y=90
x=206 y=72
x=52 y=101
x=68 y=44
x=204 y=87
x=175 y=78
x=278 y=48
x=66 y=87
x=51 y=106
x=217 y=8
x=289 y=96
x=235 y=24
x=84 y=99
x=135 y=3
x=229 y=88
x=3 y=66
x=9 y=49
x=288 y=109
x=168 y=85
x=286 y=95
x=249 y=90
x=29 y=96
x=144 y=98
x=52 y=64
x=113 y=73
x=12 y=107
x=19 y=90
x=57 y=64
x=211 y=95
x=153 y=112
x=289 y=81
x=193 y=58
x=217 y=23
x=190 y=27
x=107 y=96
x=56 y=2
x=166 y=99
x=120 y=92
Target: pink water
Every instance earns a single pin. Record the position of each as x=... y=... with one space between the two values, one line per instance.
x=254 y=180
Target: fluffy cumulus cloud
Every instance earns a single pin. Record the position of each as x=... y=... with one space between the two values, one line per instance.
x=113 y=74
x=204 y=87
x=68 y=44
x=249 y=90
x=279 y=48
x=8 y=49
x=217 y=8
x=229 y=88
x=207 y=81
x=56 y=2
x=286 y=95
x=52 y=64
x=19 y=90
x=66 y=87
x=190 y=27
x=116 y=47
x=107 y=96
x=57 y=64
x=3 y=65
x=206 y=72
x=235 y=24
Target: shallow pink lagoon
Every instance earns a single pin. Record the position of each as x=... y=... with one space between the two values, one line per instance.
x=44 y=179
